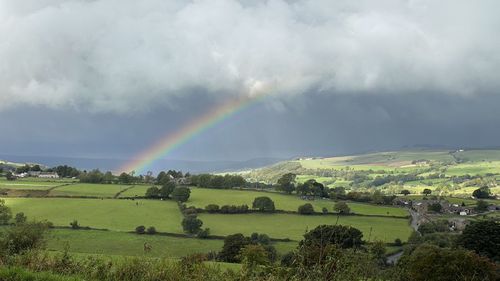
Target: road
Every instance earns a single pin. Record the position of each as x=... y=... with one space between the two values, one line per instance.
x=393 y=259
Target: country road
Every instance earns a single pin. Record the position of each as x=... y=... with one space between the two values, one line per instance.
x=393 y=259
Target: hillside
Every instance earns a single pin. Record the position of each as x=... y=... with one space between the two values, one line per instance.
x=449 y=172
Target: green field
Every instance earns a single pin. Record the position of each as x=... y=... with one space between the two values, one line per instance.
x=120 y=215
x=28 y=184
x=201 y=197
x=294 y=226
x=127 y=244
x=136 y=190
x=87 y=189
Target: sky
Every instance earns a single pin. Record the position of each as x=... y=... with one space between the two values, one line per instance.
x=107 y=79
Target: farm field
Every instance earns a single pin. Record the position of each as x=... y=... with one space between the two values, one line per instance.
x=128 y=244
x=84 y=189
x=112 y=214
x=201 y=197
x=136 y=190
x=28 y=185
x=294 y=226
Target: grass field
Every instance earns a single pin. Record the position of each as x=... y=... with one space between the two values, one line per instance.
x=88 y=189
x=136 y=190
x=294 y=226
x=28 y=184
x=201 y=197
x=121 y=215
x=127 y=244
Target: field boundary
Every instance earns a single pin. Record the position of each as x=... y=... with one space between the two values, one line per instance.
x=123 y=190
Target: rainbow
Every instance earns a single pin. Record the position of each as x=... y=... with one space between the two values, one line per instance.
x=169 y=142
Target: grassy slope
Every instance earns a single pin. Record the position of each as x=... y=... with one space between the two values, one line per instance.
x=121 y=215
x=294 y=226
x=201 y=197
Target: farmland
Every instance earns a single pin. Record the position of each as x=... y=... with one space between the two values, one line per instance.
x=294 y=226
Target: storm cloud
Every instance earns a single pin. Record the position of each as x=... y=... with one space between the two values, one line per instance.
x=122 y=55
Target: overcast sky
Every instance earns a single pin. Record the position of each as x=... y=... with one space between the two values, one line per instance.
x=107 y=78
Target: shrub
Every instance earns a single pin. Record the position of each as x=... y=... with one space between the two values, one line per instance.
x=151 y=230
x=306 y=209
x=191 y=224
x=181 y=194
x=141 y=229
x=324 y=210
x=342 y=208
x=212 y=208
x=263 y=204
x=20 y=218
x=203 y=234
x=5 y=213
x=398 y=242
x=74 y=224
x=152 y=192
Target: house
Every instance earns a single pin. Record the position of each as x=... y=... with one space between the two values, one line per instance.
x=48 y=175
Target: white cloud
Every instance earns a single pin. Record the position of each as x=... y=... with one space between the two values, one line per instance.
x=123 y=55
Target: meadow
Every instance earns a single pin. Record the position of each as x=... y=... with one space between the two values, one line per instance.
x=201 y=197
x=129 y=244
x=112 y=214
x=294 y=226
x=87 y=189
x=28 y=184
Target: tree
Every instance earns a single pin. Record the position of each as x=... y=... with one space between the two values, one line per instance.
x=435 y=207
x=125 y=178
x=152 y=192
x=203 y=234
x=481 y=193
x=429 y=262
x=287 y=183
x=9 y=176
x=181 y=194
x=5 y=213
x=482 y=206
x=232 y=246
x=405 y=192
x=342 y=208
x=108 y=177
x=141 y=229
x=252 y=256
x=191 y=224
x=324 y=210
x=166 y=189
x=427 y=191
x=342 y=236
x=263 y=204
x=306 y=209
x=482 y=237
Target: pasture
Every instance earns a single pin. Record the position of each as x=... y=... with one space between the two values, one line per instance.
x=88 y=189
x=294 y=226
x=135 y=191
x=28 y=184
x=201 y=197
x=128 y=244
x=112 y=214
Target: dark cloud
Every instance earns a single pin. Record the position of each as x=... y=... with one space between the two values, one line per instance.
x=107 y=78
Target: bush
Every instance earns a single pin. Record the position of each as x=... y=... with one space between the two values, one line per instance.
x=191 y=224
x=232 y=209
x=74 y=224
x=151 y=230
x=20 y=218
x=212 y=208
x=263 y=204
x=398 y=242
x=23 y=237
x=342 y=208
x=5 y=213
x=141 y=229
x=306 y=209
x=181 y=194
x=203 y=234
x=324 y=210
x=152 y=192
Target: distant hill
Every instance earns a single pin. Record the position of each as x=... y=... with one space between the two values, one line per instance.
x=107 y=164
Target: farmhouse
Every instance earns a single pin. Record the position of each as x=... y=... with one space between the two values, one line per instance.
x=48 y=175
